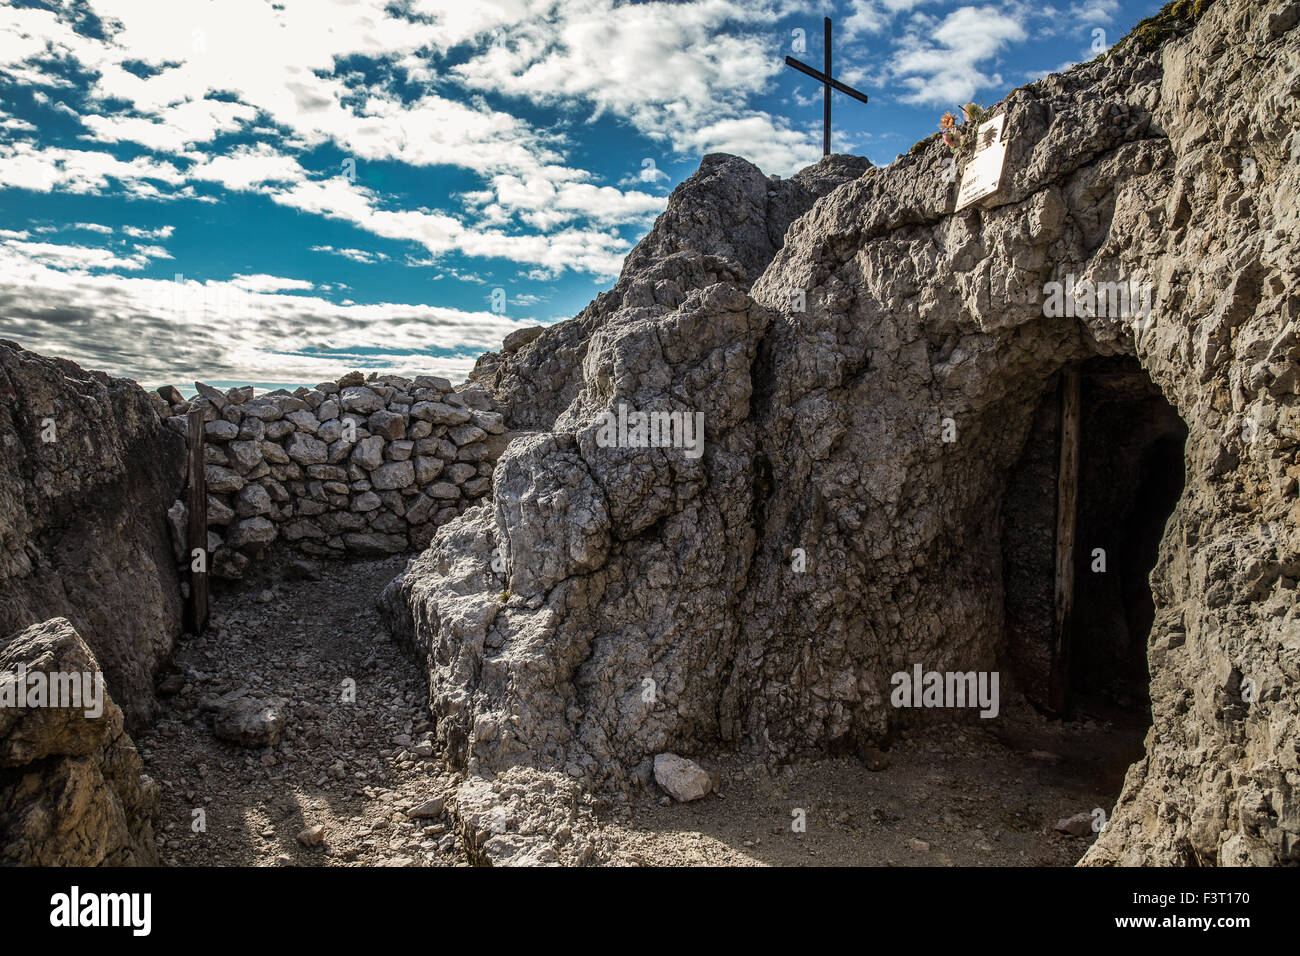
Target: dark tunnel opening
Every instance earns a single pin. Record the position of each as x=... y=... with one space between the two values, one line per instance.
x=1129 y=478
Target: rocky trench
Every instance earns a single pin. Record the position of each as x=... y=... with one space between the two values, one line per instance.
x=595 y=574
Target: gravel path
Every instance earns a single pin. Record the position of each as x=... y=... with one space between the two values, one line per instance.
x=350 y=767
x=959 y=794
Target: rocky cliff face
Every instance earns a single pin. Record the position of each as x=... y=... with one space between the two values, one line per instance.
x=724 y=224
x=843 y=520
x=72 y=788
x=86 y=476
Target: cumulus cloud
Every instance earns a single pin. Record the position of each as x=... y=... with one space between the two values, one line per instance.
x=941 y=63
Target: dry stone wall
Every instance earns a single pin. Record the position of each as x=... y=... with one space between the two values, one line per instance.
x=360 y=466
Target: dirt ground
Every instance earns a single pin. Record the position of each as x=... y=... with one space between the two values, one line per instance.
x=955 y=794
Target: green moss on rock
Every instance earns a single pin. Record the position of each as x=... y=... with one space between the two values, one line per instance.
x=920 y=144
x=1173 y=19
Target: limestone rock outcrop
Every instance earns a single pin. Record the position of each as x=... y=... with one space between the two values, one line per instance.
x=87 y=473
x=622 y=598
x=72 y=787
x=724 y=224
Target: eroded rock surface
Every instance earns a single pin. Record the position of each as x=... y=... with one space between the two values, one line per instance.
x=724 y=224
x=72 y=788
x=87 y=473
x=613 y=603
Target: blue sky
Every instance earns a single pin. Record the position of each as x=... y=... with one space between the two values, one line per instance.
x=279 y=192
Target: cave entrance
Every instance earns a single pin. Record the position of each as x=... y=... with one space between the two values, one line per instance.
x=1129 y=447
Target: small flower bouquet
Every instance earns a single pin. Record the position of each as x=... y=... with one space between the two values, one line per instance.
x=963 y=144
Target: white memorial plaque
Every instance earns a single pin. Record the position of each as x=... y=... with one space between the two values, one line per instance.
x=983 y=173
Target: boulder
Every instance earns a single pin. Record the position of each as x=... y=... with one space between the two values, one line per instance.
x=72 y=788
x=247 y=721
x=683 y=780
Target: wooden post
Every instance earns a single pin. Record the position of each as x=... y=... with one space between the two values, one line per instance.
x=1067 y=500
x=198 y=527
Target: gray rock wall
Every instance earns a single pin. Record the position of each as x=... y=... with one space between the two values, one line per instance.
x=724 y=224
x=357 y=466
x=87 y=472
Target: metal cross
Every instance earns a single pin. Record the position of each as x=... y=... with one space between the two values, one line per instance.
x=828 y=82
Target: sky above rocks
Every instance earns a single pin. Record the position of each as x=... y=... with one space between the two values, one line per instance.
x=277 y=192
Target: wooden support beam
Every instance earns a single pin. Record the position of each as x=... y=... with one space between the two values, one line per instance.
x=197 y=607
x=1067 y=500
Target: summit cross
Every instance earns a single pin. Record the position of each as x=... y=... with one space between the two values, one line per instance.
x=828 y=83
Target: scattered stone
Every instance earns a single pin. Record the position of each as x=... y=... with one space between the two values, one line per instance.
x=428 y=810
x=1079 y=825
x=248 y=721
x=682 y=779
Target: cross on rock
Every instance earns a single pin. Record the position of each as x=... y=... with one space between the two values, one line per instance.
x=828 y=82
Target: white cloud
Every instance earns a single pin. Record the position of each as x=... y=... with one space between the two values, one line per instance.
x=669 y=69
x=161 y=331
x=771 y=147
x=544 y=205
x=138 y=232
x=941 y=66
x=267 y=283
x=248 y=166
x=587 y=249
x=81 y=171
x=153 y=252
x=80 y=258
x=356 y=255
x=1095 y=11
x=172 y=128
